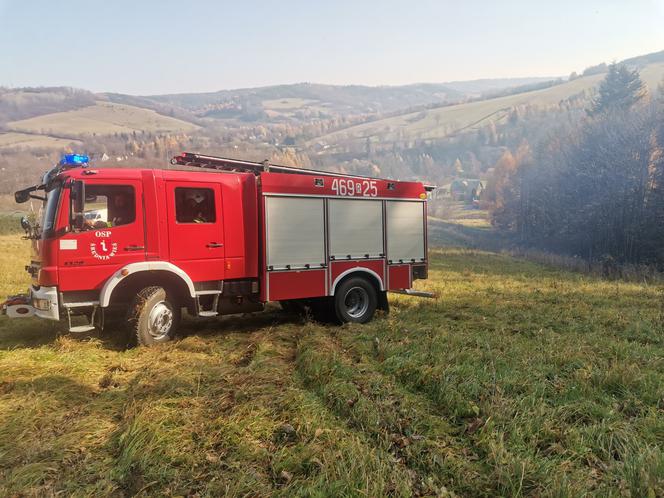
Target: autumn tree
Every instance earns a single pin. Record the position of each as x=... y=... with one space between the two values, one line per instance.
x=502 y=192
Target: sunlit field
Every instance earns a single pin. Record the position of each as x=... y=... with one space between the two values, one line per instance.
x=101 y=118
x=449 y=120
x=517 y=380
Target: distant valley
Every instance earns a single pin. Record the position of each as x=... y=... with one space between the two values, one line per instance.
x=429 y=131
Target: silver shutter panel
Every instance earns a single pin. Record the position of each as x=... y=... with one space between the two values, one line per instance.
x=405 y=230
x=295 y=232
x=356 y=228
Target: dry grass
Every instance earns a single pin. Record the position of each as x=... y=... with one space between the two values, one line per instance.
x=459 y=212
x=652 y=75
x=518 y=380
x=14 y=140
x=16 y=254
x=103 y=118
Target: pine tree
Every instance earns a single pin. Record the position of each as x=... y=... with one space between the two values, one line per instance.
x=620 y=90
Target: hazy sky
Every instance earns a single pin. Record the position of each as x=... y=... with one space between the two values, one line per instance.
x=150 y=46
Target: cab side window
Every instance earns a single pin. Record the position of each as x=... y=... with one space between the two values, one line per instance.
x=108 y=206
x=194 y=205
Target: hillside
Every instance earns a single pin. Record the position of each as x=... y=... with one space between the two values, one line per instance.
x=354 y=99
x=22 y=103
x=33 y=141
x=518 y=380
x=50 y=118
x=447 y=121
x=644 y=60
x=103 y=118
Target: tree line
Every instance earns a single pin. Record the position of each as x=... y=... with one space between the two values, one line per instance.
x=593 y=189
x=16 y=104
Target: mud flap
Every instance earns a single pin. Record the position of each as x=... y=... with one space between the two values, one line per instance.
x=383 y=302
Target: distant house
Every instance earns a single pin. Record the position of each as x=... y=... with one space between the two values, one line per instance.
x=466 y=189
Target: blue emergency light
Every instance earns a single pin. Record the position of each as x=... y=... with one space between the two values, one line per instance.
x=72 y=160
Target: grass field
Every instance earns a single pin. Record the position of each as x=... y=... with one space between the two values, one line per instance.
x=104 y=118
x=30 y=141
x=450 y=120
x=517 y=380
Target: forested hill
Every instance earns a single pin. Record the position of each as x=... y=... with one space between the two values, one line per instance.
x=249 y=103
x=351 y=98
x=595 y=188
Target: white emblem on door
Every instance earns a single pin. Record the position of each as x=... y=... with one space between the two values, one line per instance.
x=103 y=249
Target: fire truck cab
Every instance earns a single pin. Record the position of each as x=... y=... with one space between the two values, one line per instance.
x=216 y=236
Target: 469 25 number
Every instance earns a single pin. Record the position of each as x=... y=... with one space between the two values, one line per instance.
x=353 y=188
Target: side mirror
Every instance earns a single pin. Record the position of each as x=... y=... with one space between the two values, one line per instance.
x=22 y=196
x=78 y=203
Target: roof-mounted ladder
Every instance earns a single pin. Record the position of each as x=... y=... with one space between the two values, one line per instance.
x=220 y=163
x=226 y=164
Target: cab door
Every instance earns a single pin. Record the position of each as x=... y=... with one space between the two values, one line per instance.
x=112 y=236
x=195 y=229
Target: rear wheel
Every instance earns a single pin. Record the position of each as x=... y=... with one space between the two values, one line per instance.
x=153 y=317
x=355 y=300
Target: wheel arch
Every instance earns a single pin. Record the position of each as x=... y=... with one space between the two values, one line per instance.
x=359 y=271
x=135 y=276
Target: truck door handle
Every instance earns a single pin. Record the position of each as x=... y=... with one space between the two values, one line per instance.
x=215 y=244
x=134 y=248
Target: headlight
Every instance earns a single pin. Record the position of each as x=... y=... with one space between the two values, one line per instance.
x=41 y=304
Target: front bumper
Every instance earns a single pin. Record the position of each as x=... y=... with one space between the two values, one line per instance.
x=42 y=302
x=45 y=302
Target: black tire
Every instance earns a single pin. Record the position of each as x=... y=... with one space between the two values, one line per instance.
x=153 y=317
x=355 y=301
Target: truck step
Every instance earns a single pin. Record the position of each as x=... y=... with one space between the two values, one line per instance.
x=81 y=328
x=86 y=327
x=85 y=304
x=212 y=310
x=207 y=313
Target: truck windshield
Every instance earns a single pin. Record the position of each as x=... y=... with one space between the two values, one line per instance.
x=50 y=211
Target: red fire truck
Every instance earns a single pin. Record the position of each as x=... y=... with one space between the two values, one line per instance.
x=216 y=236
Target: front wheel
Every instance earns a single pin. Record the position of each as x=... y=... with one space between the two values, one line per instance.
x=355 y=301
x=153 y=317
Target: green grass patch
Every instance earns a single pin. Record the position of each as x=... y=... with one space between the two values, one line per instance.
x=10 y=224
x=517 y=380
